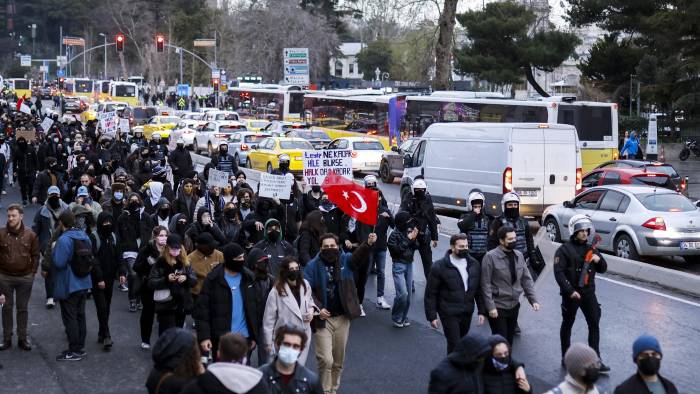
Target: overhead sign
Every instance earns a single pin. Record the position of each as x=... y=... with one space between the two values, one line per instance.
x=274 y=186
x=205 y=42
x=183 y=90
x=296 y=66
x=76 y=41
x=109 y=122
x=25 y=60
x=318 y=163
x=60 y=73
x=215 y=73
x=217 y=178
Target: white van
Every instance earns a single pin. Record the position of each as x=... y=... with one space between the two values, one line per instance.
x=540 y=162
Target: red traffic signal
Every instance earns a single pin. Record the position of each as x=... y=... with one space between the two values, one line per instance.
x=160 y=43
x=120 y=42
x=60 y=82
x=215 y=83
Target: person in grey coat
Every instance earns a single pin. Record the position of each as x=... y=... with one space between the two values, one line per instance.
x=504 y=277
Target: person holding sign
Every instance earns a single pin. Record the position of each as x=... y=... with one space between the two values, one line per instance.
x=223 y=161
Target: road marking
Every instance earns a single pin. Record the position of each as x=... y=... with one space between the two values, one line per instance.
x=670 y=297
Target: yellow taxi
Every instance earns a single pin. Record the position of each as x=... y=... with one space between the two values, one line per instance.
x=265 y=157
x=256 y=124
x=92 y=113
x=160 y=125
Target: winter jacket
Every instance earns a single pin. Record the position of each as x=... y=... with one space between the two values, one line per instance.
x=276 y=251
x=631 y=146
x=65 y=281
x=202 y=266
x=214 y=306
x=170 y=384
x=401 y=248
x=228 y=378
x=568 y=267
x=497 y=290
x=197 y=228
x=363 y=230
x=19 y=251
x=501 y=382
x=45 y=222
x=308 y=245
x=348 y=263
x=303 y=381
x=424 y=213
x=181 y=162
x=571 y=386
x=133 y=231
x=42 y=183
x=25 y=162
x=460 y=372
x=445 y=293
x=180 y=292
x=284 y=309
x=109 y=254
x=232 y=231
x=292 y=219
x=185 y=205
x=635 y=385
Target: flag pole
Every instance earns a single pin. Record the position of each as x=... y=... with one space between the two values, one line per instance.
x=375 y=223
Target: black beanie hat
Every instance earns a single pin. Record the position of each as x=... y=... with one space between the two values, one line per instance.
x=172 y=347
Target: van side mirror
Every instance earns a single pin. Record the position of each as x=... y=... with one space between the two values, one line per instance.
x=407 y=160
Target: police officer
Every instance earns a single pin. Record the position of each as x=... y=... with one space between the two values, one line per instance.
x=575 y=265
x=510 y=206
x=223 y=161
x=475 y=224
x=420 y=206
x=283 y=168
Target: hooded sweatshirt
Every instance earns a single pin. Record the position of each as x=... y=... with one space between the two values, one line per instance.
x=226 y=378
x=461 y=370
x=275 y=250
x=65 y=281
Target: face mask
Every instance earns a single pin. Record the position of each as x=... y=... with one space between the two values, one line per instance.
x=223 y=151
x=273 y=235
x=501 y=363
x=462 y=253
x=649 y=366
x=284 y=166
x=54 y=202
x=134 y=206
x=316 y=189
x=106 y=228
x=174 y=252
x=234 y=265
x=180 y=146
x=330 y=255
x=118 y=196
x=163 y=212
x=591 y=376
x=206 y=249
x=245 y=204
x=287 y=355
x=512 y=212
x=419 y=193
x=511 y=245
x=161 y=240
x=327 y=205
x=261 y=268
x=180 y=227
x=294 y=275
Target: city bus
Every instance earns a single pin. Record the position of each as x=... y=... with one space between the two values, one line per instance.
x=270 y=102
x=21 y=87
x=596 y=123
x=125 y=92
x=78 y=87
x=357 y=112
x=101 y=90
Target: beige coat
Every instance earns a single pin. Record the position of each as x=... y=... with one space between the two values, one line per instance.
x=281 y=310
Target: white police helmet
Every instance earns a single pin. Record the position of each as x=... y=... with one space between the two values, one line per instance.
x=370 y=179
x=419 y=184
x=476 y=196
x=580 y=222
x=509 y=197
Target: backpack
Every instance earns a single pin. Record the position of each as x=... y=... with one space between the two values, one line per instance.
x=83 y=260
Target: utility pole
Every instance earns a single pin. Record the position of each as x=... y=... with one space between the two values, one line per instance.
x=639 y=96
x=631 y=87
x=105 y=54
x=215 y=63
x=180 y=51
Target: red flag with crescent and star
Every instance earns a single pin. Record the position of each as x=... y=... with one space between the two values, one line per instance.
x=356 y=201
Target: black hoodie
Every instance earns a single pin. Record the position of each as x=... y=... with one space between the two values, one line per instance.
x=109 y=252
x=460 y=372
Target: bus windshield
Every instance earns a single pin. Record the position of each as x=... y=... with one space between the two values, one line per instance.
x=593 y=123
x=21 y=84
x=125 y=91
x=83 y=86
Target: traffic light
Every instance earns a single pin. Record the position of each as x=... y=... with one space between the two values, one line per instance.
x=120 y=42
x=160 y=43
x=60 y=82
x=215 y=83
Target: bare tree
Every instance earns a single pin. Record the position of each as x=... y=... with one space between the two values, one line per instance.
x=443 y=48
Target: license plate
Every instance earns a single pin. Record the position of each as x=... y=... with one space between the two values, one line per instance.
x=298 y=158
x=690 y=245
x=526 y=193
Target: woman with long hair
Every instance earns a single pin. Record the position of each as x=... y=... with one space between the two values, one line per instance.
x=230 y=223
x=176 y=362
x=289 y=302
x=171 y=279
x=311 y=229
x=147 y=257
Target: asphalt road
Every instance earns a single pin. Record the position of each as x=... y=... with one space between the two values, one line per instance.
x=380 y=358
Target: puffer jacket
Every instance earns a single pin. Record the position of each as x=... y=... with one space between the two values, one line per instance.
x=276 y=251
x=445 y=293
x=19 y=251
x=460 y=372
x=180 y=292
x=401 y=248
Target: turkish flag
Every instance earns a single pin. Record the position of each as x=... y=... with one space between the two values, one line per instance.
x=356 y=201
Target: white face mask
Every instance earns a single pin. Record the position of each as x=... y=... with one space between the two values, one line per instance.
x=287 y=355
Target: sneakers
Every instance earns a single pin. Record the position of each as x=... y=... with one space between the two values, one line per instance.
x=145 y=346
x=406 y=323
x=80 y=353
x=397 y=324
x=139 y=306
x=50 y=303
x=123 y=287
x=604 y=368
x=107 y=344
x=4 y=192
x=68 y=356
x=362 y=311
x=381 y=304
x=132 y=306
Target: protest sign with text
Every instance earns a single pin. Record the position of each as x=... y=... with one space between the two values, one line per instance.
x=317 y=163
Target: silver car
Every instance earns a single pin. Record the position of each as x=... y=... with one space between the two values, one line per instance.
x=240 y=144
x=633 y=221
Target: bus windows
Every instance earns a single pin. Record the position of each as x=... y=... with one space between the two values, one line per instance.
x=296 y=102
x=105 y=87
x=21 y=84
x=125 y=91
x=83 y=87
x=593 y=123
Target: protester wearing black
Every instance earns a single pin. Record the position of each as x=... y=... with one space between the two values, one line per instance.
x=25 y=165
x=292 y=214
x=647 y=355
x=205 y=224
x=180 y=161
x=274 y=246
x=186 y=200
x=576 y=280
x=45 y=179
x=176 y=362
x=420 y=205
x=502 y=374
x=311 y=200
x=263 y=281
x=452 y=290
x=461 y=370
x=510 y=205
x=308 y=244
x=147 y=257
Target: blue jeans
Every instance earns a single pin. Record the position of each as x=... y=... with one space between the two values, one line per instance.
x=378 y=257
x=403 y=277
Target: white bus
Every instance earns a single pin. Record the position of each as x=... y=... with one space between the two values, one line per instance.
x=78 y=87
x=596 y=123
x=271 y=102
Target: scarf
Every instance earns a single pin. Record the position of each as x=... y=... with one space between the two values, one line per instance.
x=155 y=190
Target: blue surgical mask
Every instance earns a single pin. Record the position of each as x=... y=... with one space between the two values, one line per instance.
x=118 y=196
x=288 y=355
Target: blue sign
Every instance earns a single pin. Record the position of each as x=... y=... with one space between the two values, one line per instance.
x=60 y=73
x=183 y=90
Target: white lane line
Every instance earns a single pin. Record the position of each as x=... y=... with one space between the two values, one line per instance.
x=670 y=297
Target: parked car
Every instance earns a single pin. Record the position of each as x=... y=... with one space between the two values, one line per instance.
x=625 y=176
x=214 y=133
x=45 y=93
x=192 y=115
x=73 y=104
x=189 y=128
x=139 y=115
x=160 y=125
x=104 y=106
x=319 y=139
x=633 y=221
x=265 y=157
x=680 y=182
x=279 y=127
x=366 y=152
x=539 y=162
x=391 y=166
x=241 y=143
x=256 y=124
x=221 y=115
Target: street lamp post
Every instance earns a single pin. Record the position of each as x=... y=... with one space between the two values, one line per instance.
x=105 y=37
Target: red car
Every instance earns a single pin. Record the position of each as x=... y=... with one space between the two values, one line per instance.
x=625 y=176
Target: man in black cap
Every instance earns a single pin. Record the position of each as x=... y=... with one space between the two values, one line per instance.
x=226 y=302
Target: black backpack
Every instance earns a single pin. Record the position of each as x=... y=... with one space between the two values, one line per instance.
x=83 y=260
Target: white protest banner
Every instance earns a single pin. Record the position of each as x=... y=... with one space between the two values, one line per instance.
x=317 y=163
x=124 y=126
x=217 y=178
x=108 y=122
x=46 y=124
x=274 y=186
